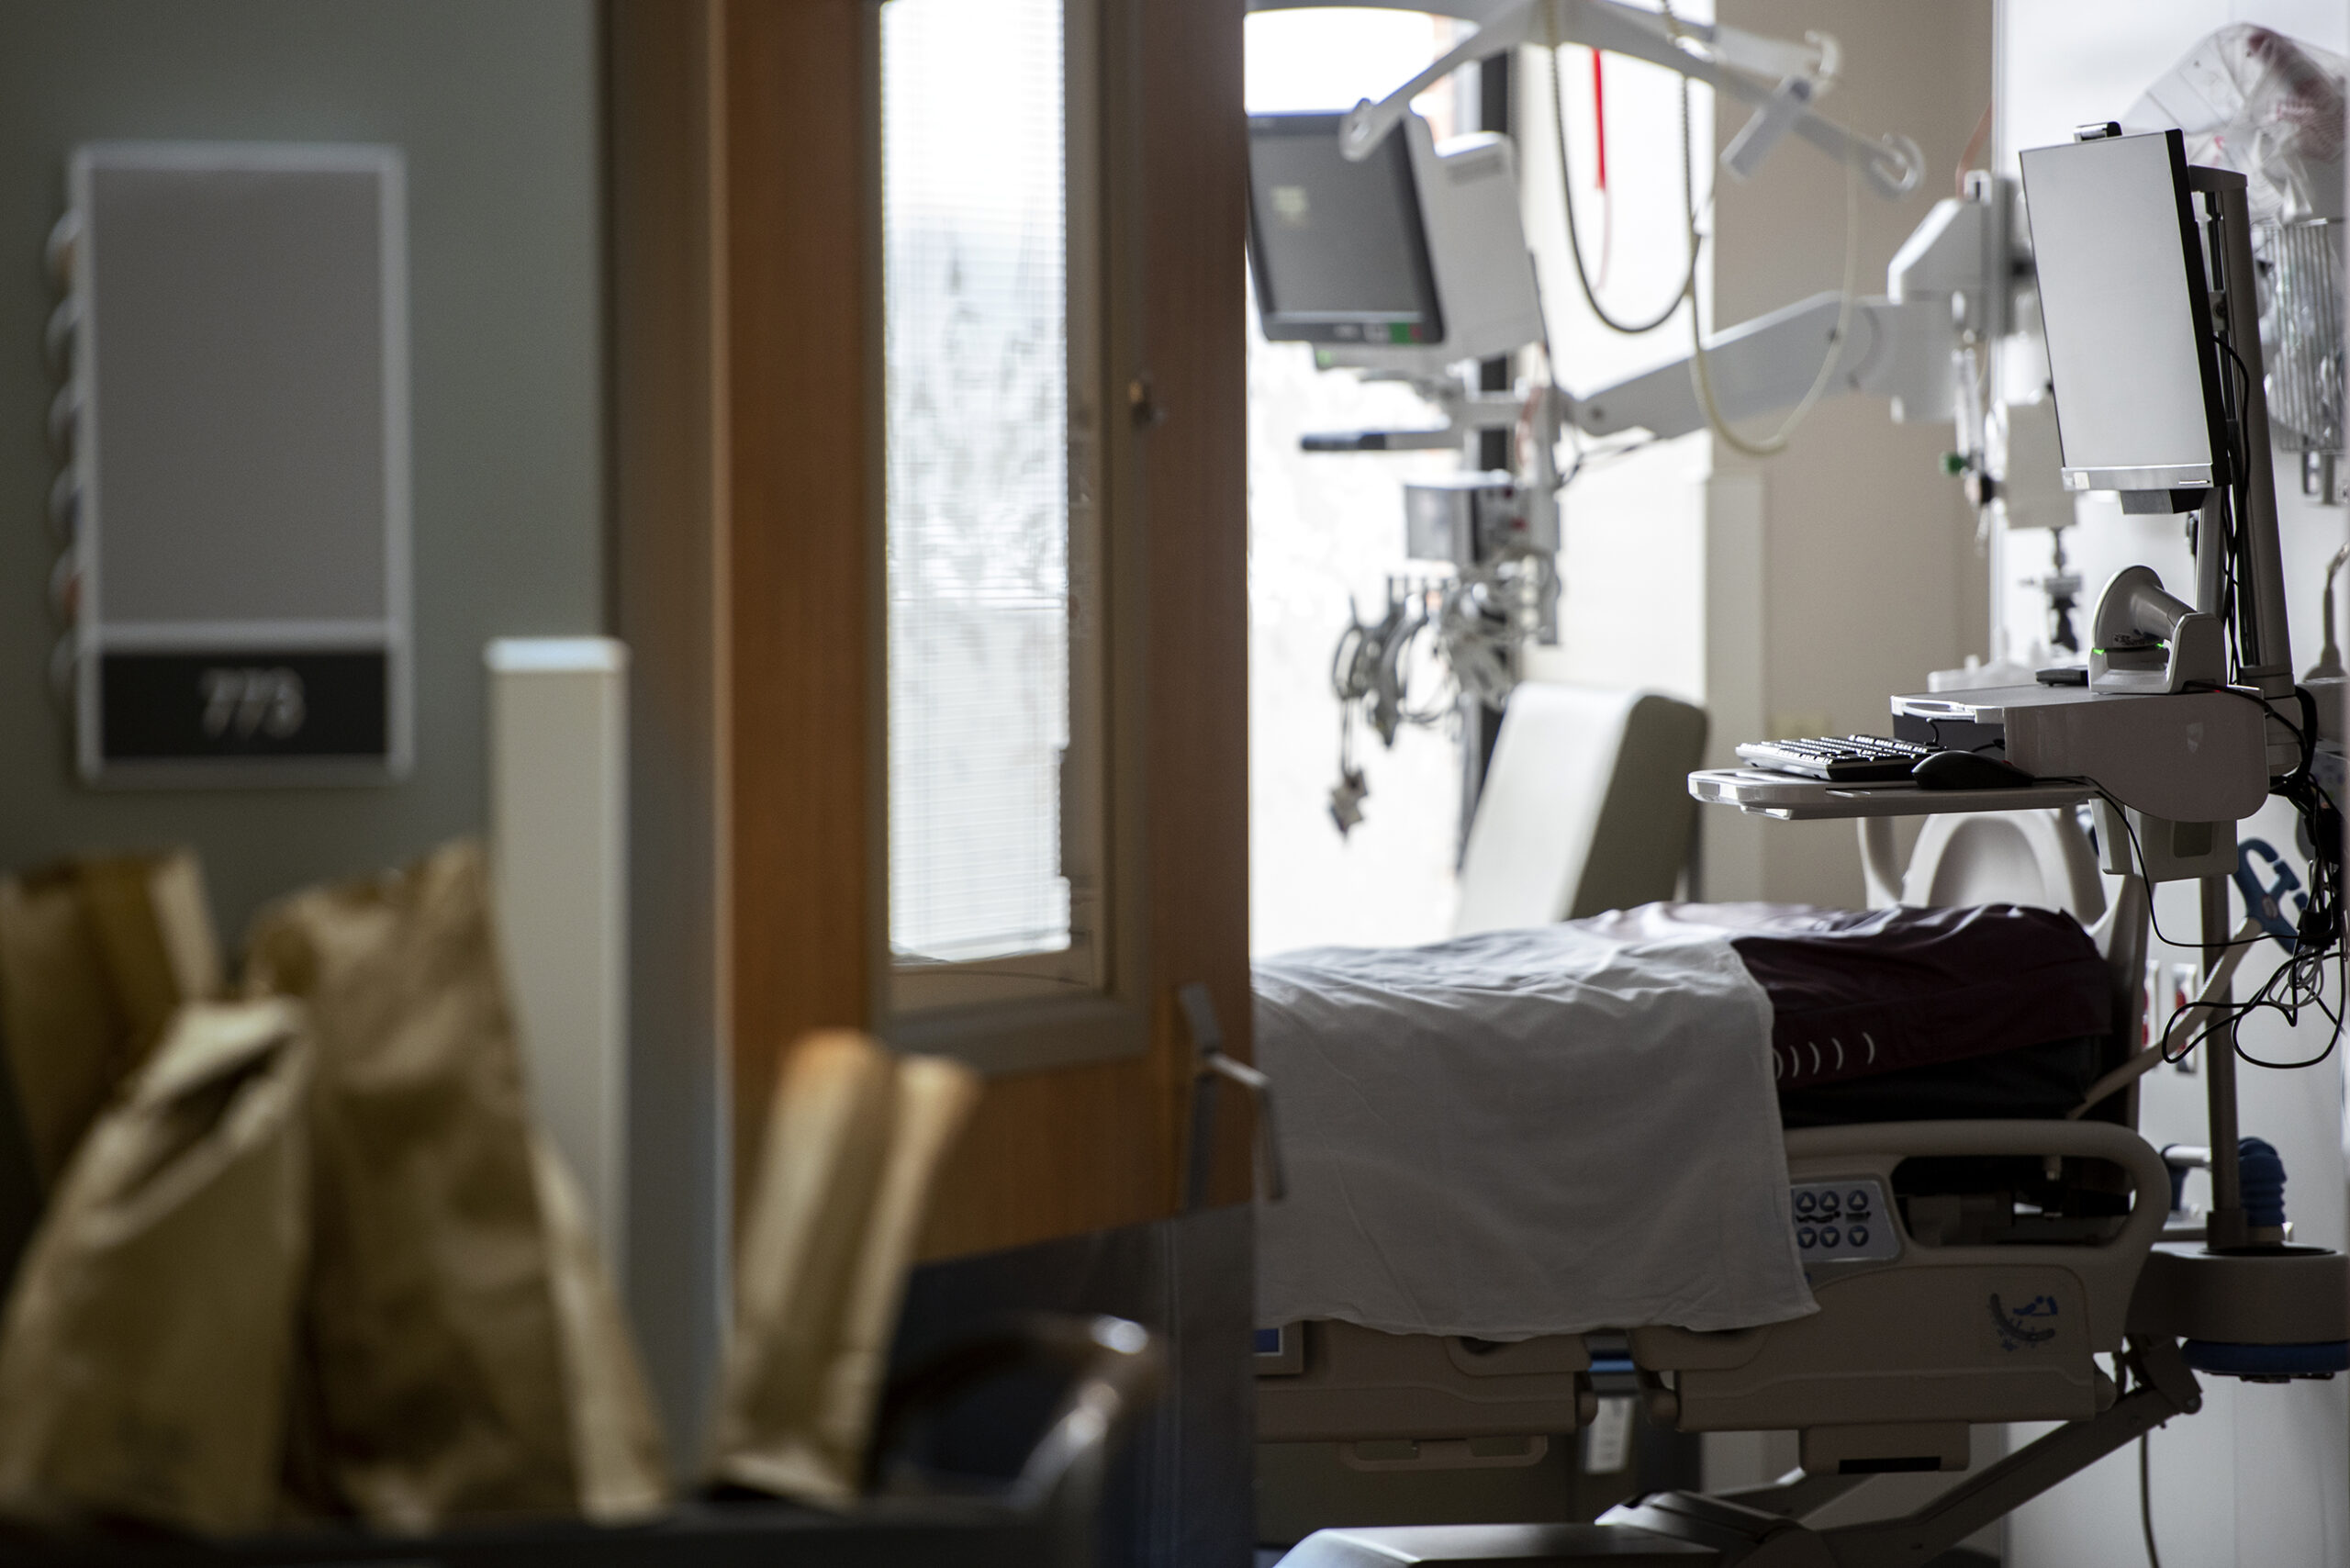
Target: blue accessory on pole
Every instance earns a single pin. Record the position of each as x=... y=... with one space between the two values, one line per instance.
x=2266 y=904
x=2261 y=1178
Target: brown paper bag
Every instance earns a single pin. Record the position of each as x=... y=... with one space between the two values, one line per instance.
x=617 y=1446
x=146 y=1342
x=855 y=1137
x=155 y=928
x=438 y=1381
x=67 y=1043
x=95 y=957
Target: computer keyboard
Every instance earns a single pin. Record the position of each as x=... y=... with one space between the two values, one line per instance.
x=1839 y=759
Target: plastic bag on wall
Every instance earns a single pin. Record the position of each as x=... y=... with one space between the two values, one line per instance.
x=2270 y=107
x=2267 y=106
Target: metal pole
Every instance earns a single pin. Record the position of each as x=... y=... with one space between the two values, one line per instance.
x=1488 y=86
x=2262 y=639
x=2226 y=1225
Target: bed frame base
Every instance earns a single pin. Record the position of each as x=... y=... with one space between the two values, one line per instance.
x=1762 y=1527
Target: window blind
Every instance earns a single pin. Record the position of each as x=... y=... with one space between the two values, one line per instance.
x=977 y=474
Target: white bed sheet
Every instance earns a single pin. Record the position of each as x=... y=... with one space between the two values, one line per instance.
x=1523 y=1133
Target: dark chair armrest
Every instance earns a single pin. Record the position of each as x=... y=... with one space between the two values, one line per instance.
x=1117 y=1368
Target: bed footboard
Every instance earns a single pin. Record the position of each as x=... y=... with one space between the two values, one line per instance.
x=1960 y=1305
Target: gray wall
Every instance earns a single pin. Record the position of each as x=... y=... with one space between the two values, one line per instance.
x=1868 y=575
x=495 y=108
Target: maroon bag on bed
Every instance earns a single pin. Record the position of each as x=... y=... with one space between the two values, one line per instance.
x=1855 y=994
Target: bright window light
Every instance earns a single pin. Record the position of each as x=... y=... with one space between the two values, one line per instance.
x=976 y=280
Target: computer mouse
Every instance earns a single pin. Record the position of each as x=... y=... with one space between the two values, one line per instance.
x=1967 y=771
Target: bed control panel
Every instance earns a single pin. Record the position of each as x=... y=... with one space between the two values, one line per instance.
x=1845 y=1221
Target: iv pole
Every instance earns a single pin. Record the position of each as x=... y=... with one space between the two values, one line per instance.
x=2265 y=659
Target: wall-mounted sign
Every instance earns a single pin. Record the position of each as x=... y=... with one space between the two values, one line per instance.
x=240 y=487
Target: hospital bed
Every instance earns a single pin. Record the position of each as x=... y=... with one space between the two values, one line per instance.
x=1999 y=1257
x=1960 y=1305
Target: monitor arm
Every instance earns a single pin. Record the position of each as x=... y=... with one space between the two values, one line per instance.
x=1780 y=79
x=1897 y=349
x=1956 y=277
x=1893 y=348
x=1954 y=280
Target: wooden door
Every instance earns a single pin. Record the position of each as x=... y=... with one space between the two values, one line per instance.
x=745 y=435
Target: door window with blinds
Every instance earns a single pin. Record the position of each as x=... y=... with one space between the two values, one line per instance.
x=989 y=268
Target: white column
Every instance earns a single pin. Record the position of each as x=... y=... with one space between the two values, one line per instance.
x=558 y=815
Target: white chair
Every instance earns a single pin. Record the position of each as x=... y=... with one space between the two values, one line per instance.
x=1586 y=807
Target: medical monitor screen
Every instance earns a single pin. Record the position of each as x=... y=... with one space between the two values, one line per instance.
x=1337 y=249
x=2126 y=312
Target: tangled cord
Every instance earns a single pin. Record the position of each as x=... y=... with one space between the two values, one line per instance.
x=1701 y=373
x=1700 y=370
x=1483 y=614
x=2316 y=951
x=1689 y=289
x=2300 y=983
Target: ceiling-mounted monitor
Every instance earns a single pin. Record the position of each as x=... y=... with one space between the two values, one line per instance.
x=1336 y=248
x=1412 y=259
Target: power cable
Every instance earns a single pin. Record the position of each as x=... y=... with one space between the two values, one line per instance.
x=1700 y=370
x=1689 y=289
x=1701 y=373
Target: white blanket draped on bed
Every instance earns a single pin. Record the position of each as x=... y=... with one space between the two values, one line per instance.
x=1524 y=1133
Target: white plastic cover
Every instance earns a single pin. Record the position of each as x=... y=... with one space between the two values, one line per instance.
x=2267 y=106
x=2270 y=107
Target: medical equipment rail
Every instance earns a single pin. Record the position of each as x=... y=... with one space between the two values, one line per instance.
x=1791 y=798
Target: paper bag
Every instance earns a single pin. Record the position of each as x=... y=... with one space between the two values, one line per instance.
x=67 y=1044
x=95 y=957
x=144 y=1350
x=431 y=1337
x=449 y=1342
x=616 y=1443
x=855 y=1137
x=155 y=928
